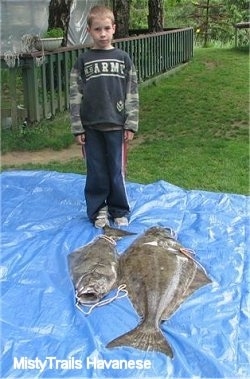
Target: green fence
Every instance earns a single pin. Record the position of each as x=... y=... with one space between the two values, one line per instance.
x=37 y=87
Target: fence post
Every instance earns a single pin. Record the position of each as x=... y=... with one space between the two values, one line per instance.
x=13 y=96
x=31 y=102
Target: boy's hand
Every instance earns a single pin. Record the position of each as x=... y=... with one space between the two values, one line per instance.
x=128 y=135
x=80 y=139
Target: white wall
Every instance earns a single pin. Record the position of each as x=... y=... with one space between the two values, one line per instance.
x=19 y=17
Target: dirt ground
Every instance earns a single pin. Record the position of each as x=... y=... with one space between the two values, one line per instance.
x=43 y=156
x=18 y=158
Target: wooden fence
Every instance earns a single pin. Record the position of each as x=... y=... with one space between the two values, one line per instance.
x=37 y=87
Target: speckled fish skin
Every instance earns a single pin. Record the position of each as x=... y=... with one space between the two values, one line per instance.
x=94 y=270
x=94 y=267
x=159 y=278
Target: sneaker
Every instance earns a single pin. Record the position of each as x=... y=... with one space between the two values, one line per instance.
x=102 y=218
x=121 y=221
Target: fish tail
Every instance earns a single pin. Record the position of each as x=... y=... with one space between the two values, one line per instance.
x=144 y=338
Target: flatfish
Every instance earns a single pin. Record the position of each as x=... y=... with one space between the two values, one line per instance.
x=160 y=274
x=94 y=269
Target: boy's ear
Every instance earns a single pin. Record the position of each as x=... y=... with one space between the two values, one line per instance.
x=114 y=27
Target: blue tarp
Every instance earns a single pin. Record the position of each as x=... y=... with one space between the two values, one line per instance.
x=45 y=335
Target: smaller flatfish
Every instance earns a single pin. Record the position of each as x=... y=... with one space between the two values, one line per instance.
x=94 y=269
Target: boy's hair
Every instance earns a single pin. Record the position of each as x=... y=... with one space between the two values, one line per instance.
x=100 y=11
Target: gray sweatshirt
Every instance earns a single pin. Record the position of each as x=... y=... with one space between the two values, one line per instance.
x=103 y=90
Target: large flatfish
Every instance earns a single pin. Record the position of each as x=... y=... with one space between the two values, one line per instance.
x=159 y=274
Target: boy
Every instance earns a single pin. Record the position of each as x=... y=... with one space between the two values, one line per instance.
x=104 y=114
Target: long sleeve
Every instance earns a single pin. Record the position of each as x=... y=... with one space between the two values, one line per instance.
x=132 y=102
x=75 y=100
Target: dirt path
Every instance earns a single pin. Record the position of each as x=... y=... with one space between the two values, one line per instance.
x=19 y=158
x=42 y=156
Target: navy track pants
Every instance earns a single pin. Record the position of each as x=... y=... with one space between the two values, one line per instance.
x=105 y=183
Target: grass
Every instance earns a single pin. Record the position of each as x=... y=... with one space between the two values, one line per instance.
x=54 y=134
x=194 y=127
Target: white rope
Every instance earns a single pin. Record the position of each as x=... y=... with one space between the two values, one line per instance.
x=10 y=58
x=40 y=60
x=173 y=234
x=28 y=43
x=109 y=239
x=121 y=288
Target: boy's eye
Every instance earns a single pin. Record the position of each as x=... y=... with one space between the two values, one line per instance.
x=107 y=28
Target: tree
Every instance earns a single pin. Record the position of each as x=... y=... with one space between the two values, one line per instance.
x=121 y=10
x=155 y=15
x=59 y=16
x=212 y=20
x=207 y=14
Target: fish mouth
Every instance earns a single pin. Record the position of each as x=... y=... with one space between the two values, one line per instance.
x=87 y=297
x=90 y=292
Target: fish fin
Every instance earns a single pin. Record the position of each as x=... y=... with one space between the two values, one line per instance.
x=200 y=279
x=116 y=234
x=143 y=338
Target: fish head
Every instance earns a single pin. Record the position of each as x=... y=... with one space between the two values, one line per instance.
x=92 y=287
x=161 y=232
x=162 y=237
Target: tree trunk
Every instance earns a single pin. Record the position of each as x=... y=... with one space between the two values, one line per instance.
x=121 y=10
x=155 y=15
x=206 y=31
x=59 y=16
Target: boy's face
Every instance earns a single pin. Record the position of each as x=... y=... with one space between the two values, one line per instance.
x=102 y=31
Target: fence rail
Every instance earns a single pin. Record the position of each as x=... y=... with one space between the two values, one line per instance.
x=38 y=85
